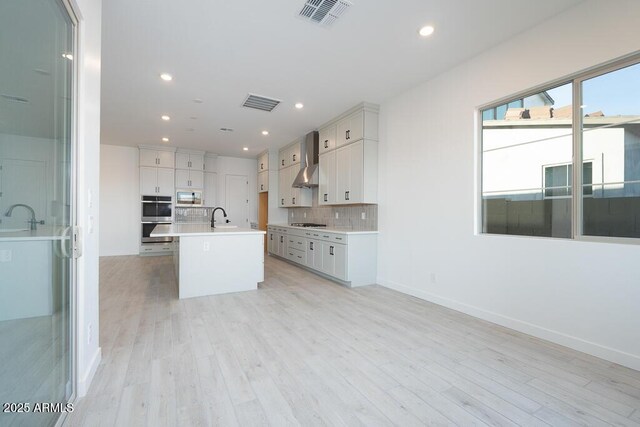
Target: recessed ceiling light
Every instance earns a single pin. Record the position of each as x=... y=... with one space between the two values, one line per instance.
x=165 y=139
x=166 y=77
x=426 y=31
x=246 y=148
x=190 y=129
x=198 y=101
x=67 y=56
x=193 y=118
x=265 y=132
x=166 y=118
x=299 y=105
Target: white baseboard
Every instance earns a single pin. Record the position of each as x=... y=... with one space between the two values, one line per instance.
x=616 y=356
x=84 y=381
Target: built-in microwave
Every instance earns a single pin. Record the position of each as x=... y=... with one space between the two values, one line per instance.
x=187 y=198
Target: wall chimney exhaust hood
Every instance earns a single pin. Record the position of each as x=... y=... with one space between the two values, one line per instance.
x=308 y=175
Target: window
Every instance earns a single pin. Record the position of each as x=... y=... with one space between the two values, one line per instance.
x=529 y=185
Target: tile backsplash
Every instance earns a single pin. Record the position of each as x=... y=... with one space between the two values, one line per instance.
x=193 y=215
x=349 y=216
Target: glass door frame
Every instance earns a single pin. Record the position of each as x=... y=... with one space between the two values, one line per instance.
x=71 y=9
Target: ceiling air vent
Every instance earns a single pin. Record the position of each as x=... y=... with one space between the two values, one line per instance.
x=260 y=102
x=324 y=12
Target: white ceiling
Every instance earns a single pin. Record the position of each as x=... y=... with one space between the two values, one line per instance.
x=219 y=51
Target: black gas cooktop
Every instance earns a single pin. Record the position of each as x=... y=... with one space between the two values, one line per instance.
x=307 y=224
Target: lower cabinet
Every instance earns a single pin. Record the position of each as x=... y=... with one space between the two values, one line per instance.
x=348 y=258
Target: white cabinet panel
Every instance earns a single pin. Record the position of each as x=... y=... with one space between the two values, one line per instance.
x=327 y=139
x=197 y=162
x=343 y=173
x=263 y=181
x=165 y=182
x=284 y=190
x=182 y=178
x=197 y=178
x=263 y=162
x=166 y=159
x=148 y=181
x=182 y=160
x=148 y=157
x=356 y=173
x=327 y=179
x=186 y=178
x=339 y=253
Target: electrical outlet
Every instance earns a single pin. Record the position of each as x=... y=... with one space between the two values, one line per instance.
x=206 y=246
x=337 y=215
x=305 y=214
x=89 y=333
x=291 y=214
x=363 y=215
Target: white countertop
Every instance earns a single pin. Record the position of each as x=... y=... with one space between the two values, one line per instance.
x=186 y=230
x=42 y=233
x=327 y=229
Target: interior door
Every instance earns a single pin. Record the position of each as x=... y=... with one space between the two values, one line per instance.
x=237 y=200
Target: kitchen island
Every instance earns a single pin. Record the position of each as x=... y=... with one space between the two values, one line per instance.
x=211 y=261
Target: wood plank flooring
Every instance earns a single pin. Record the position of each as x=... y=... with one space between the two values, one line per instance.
x=302 y=350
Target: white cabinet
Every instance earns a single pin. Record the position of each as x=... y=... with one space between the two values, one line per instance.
x=356 y=173
x=186 y=178
x=290 y=197
x=157 y=158
x=189 y=161
x=349 y=258
x=327 y=138
x=263 y=181
x=290 y=155
x=210 y=189
x=358 y=125
x=156 y=181
x=263 y=162
x=327 y=179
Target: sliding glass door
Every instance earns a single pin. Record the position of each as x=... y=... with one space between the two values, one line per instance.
x=36 y=211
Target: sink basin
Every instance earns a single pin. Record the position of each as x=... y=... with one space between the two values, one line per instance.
x=12 y=230
x=226 y=226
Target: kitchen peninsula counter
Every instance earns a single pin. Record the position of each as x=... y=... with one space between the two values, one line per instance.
x=211 y=261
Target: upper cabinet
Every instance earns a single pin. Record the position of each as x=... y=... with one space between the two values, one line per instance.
x=263 y=162
x=327 y=138
x=356 y=126
x=157 y=158
x=290 y=155
x=187 y=160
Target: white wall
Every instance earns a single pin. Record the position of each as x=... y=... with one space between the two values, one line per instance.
x=119 y=201
x=584 y=295
x=88 y=179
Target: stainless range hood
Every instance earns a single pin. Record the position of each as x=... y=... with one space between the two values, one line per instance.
x=308 y=175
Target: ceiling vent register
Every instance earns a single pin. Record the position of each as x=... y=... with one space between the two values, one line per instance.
x=324 y=12
x=260 y=102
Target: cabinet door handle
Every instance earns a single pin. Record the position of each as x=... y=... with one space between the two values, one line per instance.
x=281 y=239
x=326 y=143
x=282 y=202
x=310 y=246
x=157 y=161
x=294 y=200
x=261 y=186
x=271 y=237
x=325 y=197
x=294 y=157
x=347 y=134
x=282 y=162
x=330 y=250
x=346 y=195
x=261 y=166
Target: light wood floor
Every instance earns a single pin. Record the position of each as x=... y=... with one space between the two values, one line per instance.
x=304 y=351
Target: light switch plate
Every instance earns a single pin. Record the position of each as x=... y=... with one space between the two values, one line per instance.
x=337 y=215
x=206 y=247
x=364 y=215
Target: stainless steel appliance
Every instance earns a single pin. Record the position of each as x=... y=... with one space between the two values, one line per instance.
x=186 y=198
x=307 y=225
x=157 y=209
x=308 y=175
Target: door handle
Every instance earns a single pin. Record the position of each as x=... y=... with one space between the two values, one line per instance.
x=282 y=202
x=294 y=157
x=325 y=197
x=261 y=166
x=270 y=236
x=330 y=250
x=346 y=195
x=282 y=162
x=261 y=186
x=326 y=143
x=348 y=136
x=310 y=246
x=294 y=200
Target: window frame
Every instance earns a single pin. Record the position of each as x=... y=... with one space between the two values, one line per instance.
x=576 y=80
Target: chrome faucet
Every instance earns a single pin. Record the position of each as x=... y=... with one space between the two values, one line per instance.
x=213 y=214
x=33 y=221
